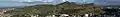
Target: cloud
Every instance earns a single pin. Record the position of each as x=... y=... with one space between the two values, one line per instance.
x=47 y=0
x=65 y=0
x=26 y=0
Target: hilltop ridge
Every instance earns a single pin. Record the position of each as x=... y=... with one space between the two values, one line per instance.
x=62 y=8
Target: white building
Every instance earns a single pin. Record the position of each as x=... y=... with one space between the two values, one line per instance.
x=2 y=11
x=86 y=15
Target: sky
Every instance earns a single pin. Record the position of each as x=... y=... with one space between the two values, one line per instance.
x=88 y=1
x=15 y=3
x=104 y=2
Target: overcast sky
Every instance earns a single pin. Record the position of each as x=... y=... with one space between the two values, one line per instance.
x=89 y=1
x=7 y=3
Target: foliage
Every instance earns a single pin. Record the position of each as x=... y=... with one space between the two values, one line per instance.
x=66 y=8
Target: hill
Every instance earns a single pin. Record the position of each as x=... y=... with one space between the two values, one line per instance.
x=62 y=8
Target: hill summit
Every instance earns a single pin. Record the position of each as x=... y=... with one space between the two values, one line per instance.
x=62 y=8
x=66 y=7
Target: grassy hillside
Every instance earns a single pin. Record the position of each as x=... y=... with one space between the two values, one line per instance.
x=64 y=8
